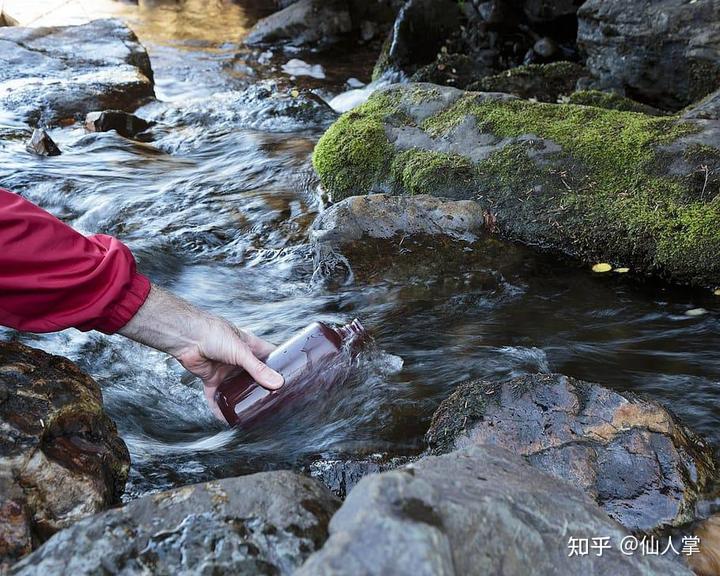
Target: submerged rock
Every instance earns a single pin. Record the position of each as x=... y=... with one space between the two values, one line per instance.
x=601 y=185
x=477 y=511
x=53 y=74
x=341 y=475
x=125 y=124
x=666 y=54
x=544 y=82
x=266 y=523
x=303 y=23
x=42 y=144
x=60 y=455
x=631 y=455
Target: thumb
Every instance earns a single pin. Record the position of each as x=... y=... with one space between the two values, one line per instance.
x=261 y=372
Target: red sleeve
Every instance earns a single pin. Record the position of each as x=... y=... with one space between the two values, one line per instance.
x=52 y=277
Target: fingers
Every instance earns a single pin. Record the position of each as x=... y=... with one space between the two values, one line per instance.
x=259 y=347
x=261 y=372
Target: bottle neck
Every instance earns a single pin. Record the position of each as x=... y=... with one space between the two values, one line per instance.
x=352 y=332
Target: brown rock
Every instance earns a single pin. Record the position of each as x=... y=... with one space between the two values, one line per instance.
x=60 y=456
x=707 y=561
x=629 y=454
x=125 y=124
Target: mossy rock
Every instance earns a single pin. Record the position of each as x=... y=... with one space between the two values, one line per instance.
x=542 y=82
x=611 y=101
x=602 y=185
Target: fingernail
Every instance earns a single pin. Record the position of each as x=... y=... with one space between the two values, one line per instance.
x=275 y=379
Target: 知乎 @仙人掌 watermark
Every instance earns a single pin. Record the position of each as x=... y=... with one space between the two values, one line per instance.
x=629 y=545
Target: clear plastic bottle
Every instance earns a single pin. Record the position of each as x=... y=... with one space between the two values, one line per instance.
x=316 y=357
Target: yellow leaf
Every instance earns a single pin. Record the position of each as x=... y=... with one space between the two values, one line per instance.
x=294 y=93
x=717 y=292
x=602 y=267
x=622 y=270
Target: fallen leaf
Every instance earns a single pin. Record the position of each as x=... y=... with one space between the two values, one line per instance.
x=696 y=312
x=294 y=93
x=602 y=267
x=622 y=270
x=717 y=292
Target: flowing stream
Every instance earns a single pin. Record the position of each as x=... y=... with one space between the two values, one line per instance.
x=218 y=209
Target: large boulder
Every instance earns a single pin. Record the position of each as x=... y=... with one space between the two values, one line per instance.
x=52 y=74
x=307 y=22
x=664 y=53
x=476 y=511
x=601 y=185
x=60 y=455
x=266 y=523
x=631 y=455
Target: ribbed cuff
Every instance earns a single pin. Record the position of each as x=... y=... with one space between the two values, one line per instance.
x=124 y=310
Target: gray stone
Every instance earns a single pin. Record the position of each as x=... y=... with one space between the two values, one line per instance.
x=708 y=108
x=59 y=73
x=663 y=53
x=307 y=22
x=631 y=455
x=266 y=523
x=42 y=144
x=61 y=458
x=125 y=124
x=477 y=511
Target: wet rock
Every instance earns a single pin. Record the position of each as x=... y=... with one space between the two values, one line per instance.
x=666 y=54
x=543 y=82
x=307 y=22
x=599 y=185
x=60 y=455
x=59 y=73
x=611 y=101
x=481 y=510
x=708 y=108
x=707 y=561
x=631 y=455
x=125 y=124
x=420 y=30
x=365 y=235
x=341 y=475
x=42 y=144
x=266 y=523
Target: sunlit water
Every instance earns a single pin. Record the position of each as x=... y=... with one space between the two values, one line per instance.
x=218 y=209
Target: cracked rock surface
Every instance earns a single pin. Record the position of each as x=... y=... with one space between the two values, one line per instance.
x=631 y=455
x=265 y=523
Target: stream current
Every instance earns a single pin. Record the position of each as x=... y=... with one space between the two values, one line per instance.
x=218 y=207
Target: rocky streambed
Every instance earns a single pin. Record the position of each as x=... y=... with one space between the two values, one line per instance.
x=513 y=401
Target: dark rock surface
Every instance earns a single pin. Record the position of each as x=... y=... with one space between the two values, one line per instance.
x=53 y=74
x=125 y=124
x=60 y=456
x=611 y=101
x=421 y=28
x=477 y=511
x=664 y=53
x=544 y=82
x=635 y=459
x=600 y=185
x=265 y=523
x=307 y=22
x=42 y=144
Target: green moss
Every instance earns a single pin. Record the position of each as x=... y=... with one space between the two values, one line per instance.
x=354 y=154
x=427 y=172
x=610 y=101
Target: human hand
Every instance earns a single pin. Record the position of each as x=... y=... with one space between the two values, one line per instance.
x=208 y=346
